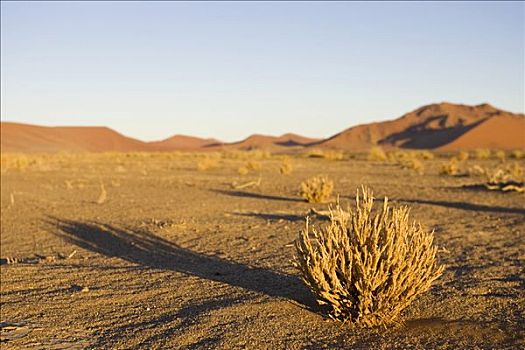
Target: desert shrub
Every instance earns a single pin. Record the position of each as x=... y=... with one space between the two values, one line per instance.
x=509 y=178
x=412 y=164
x=317 y=189
x=315 y=153
x=501 y=155
x=450 y=168
x=207 y=163
x=253 y=165
x=367 y=267
x=333 y=155
x=517 y=154
x=243 y=170
x=250 y=154
x=377 y=154
x=425 y=155
x=483 y=153
x=286 y=166
x=462 y=156
x=15 y=161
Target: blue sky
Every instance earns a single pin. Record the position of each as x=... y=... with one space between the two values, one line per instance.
x=229 y=69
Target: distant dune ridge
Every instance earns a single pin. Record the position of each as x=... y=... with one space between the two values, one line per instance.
x=438 y=126
x=443 y=126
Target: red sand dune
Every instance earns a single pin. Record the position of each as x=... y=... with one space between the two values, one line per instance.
x=504 y=132
x=443 y=126
x=265 y=141
x=31 y=138
x=434 y=127
x=182 y=142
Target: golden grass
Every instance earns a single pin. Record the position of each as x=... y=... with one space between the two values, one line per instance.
x=317 y=189
x=483 y=154
x=412 y=164
x=207 y=163
x=509 y=178
x=377 y=154
x=517 y=154
x=286 y=166
x=450 y=168
x=367 y=267
x=501 y=155
x=462 y=156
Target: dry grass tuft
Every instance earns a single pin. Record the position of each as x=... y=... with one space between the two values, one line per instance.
x=243 y=171
x=377 y=154
x=450 y=168
x=333 y=155
x=517 y=154
x=462 y=156
x=509 y=178
x=367 y=267
x=317 y=189
x=253 y=165
x=501 y=155
x=412 y=164
x=207 y=163
x=483 y=154
x=286 y=166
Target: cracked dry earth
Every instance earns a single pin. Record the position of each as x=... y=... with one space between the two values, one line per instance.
x=177 y=258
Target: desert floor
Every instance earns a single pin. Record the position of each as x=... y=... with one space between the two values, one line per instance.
x=176 y=257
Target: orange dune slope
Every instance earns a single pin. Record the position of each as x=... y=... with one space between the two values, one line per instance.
x=16 y=137
x=435 y=126
x=182 y=142
x=499 y=132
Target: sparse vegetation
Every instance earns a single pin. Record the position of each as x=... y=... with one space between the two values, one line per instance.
x=333 y=155
x=501 y=155
x=286 y=167
x=517 y=154
x=243 y=171
x=509 y=178
x=450 y=168
x=462 y=156
x=253 y=165
x=483 y=153
x=207 y=163
x=317 y=189
x=367 y=267
x=377 y=154
x=412 y=164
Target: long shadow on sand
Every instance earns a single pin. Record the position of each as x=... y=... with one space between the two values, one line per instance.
x=455 y=205
x=257 y=196
x=466 y=206
x=148 y=250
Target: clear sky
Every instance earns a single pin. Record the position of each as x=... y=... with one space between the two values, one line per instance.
x=229 y=69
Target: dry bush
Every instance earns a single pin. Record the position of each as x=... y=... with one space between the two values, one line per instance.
x=333 y=155
x=462 y=156
x=377 y=154
x=286 y=166
x=483 y=154
x=253 y=165
x=317 y=189
x=246 y=155
x=425 y=155
x=315 y=153
x=501 y=155
x=412 y=164
x=509 y=178
x=207 y=163
x=517 y=154
x=243 y=171
x=367 y=267
x=450 y=168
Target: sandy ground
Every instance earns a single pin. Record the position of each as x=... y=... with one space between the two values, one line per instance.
x=174 y=257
